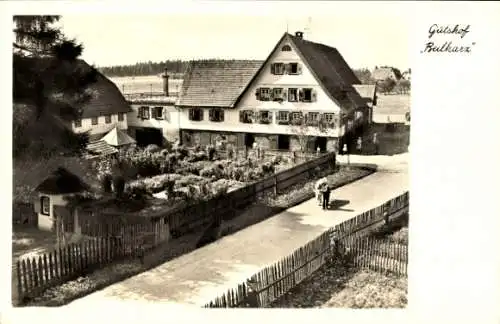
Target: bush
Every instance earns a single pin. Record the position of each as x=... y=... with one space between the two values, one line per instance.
x=211 y=152
x=106 y=183
x=152 y=148
x=118 y=185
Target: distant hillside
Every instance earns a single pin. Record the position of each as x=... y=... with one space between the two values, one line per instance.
x=175 y=69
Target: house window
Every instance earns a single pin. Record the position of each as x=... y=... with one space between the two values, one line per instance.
x=216 y=115
x=121 y=116
x=45 y=205
x=306 y=95
x=278 y=68
x=78 y=123
x=246 y=116
x=196 y=114
x=265 y=94
x=329 y=119
x=283 y=117
x=312 y=118
x=94 y=120
x=157 y=112
x=358 y=115
x=265 y=117
x=143 y=112
x=296 y=118
x=293 y=94
x=278 y=94
x=293 y=68
x=286 y=48
x=107 y=119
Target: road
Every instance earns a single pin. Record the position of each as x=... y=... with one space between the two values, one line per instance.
x=196 y=278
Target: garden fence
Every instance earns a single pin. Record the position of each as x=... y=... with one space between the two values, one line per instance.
x=38 y=273
x=276 y=280
x=24 y=214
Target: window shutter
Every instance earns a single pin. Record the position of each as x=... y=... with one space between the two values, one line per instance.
x=299 y=68
x=301 y=95
x=257 y=93
x=288 y=68
x=313 y=95
x=160 y=112
x=284 y=94
x=222 y=115
x=154 y=113
x=241 y=116
x=139 y=112
x=147 y=112
x=191 y=114
x=271 y=94
x=37 y=205
x=272 y=68
x=211 y=115
x=202 y=113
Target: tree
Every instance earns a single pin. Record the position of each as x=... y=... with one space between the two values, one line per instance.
x=49 y=88
x=404 y=85
x=387 y=85
x=365 y=76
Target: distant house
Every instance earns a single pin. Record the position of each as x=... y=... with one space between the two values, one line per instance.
x=268 y=102
x=154 y=119
x=383 y=73
x=407 y=75
x=106 y=109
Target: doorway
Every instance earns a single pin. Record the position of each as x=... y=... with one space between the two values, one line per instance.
x=148 y=135
x=321 y=143
x=249 y=140
x=284 y=142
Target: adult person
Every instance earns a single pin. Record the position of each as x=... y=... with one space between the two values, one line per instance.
x=326 y=195
x=318 y=186
x=359 y=144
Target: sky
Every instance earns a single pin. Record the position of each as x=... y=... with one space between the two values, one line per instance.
x=367 y=34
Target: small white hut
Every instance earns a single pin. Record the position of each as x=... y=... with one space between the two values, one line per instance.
x=53 y=191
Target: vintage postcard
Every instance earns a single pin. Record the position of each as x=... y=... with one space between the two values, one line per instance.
x=217 y=157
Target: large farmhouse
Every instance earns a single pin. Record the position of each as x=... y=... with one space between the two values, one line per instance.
x=302 y=90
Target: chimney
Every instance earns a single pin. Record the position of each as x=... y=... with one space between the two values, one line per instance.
x=299 y=34
x=165 y=82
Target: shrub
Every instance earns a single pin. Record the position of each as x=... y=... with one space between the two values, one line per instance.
x=211 y=152
x=106 y=183
x=152 y=148
x=118 y=185
x=198 y=156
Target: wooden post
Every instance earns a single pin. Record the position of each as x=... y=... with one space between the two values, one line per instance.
x=275 y=185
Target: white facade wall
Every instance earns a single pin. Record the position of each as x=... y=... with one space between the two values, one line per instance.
x=169 y=124
x=102 y=126
x=322 y=104
x=45 y=222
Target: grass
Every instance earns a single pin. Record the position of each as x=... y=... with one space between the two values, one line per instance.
x=347 y=287
x=99 y=279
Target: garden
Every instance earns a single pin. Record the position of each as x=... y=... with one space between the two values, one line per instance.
x=180 y=174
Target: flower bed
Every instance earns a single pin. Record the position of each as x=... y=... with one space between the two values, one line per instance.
x=101 y=278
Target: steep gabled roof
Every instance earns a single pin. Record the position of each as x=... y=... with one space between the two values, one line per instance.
x=216 y=83
x=328 y=67
x=62 y=181
x=106 y=98
x=99 y=148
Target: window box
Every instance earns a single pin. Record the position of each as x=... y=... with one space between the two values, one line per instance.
x=263 y=94
x=293 y=94
x=283 y=118
x=216 y=115
x=265 y=117
x=195 y=114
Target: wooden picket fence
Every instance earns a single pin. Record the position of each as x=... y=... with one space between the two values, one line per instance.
x=378 y=255
x=36 y=274
x=276 y=280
